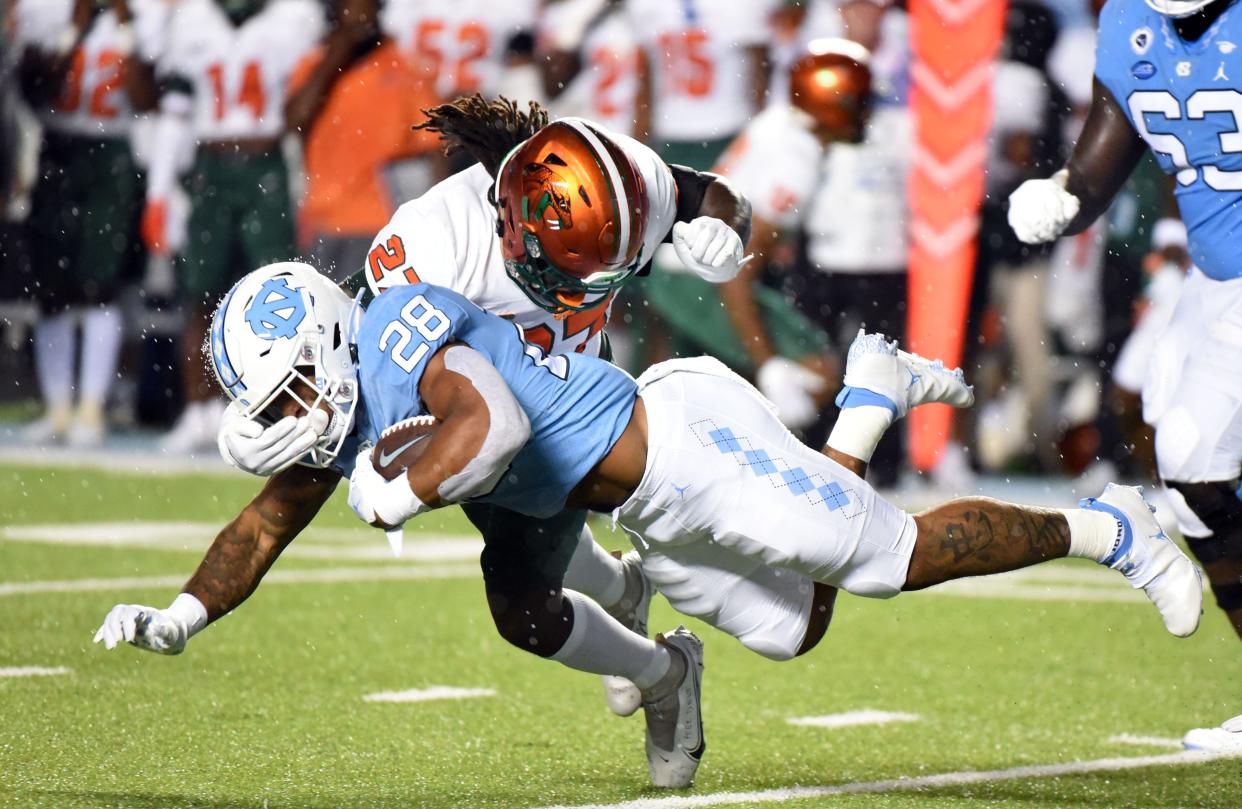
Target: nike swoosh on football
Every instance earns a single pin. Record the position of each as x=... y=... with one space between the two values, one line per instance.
x=387 y=457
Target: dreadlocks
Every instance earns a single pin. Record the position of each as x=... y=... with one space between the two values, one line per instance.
x=488 y=130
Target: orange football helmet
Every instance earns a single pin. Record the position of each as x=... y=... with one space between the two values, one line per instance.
x=831 y=83
x=571 y=214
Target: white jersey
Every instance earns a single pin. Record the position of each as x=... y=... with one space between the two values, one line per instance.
x=239 y=75
x=775 y=163
x=857 y=221
x=448 y=237
x=606 y=88
x=460 y=42
x=700 y=69
x=93 y=101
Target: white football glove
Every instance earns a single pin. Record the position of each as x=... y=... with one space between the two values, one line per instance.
x=709 y=248
x=377 y=501
x=791 y=387
x=156 y=630
x=1040 y=209
x=264 y=451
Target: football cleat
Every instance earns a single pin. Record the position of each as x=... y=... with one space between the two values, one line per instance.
x=621 y=695
x=1150 y=561
x=675 y=742
x=1224 y=739
x=878 y=372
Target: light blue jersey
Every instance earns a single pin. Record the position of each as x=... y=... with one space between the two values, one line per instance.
x=578 y=406
x=1183 y=99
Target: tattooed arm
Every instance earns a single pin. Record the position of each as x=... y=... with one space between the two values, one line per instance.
x=247 y=547
x=975 y=536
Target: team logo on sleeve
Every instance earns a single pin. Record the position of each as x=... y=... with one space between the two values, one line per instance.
x=1140 y=40
x=277 y=310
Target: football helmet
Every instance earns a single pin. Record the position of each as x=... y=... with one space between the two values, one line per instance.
x=831 y=83
x=571 y=215
x=284 y=324
x=1178 y=8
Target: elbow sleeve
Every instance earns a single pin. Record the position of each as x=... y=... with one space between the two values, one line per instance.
x=508 y=428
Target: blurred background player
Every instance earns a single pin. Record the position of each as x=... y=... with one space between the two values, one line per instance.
x=704 y=76
x=776 y=162
x=592 y=62
x=225 y=78
x=849 y=266
x=352 y=100
x=86 y=71
x=1193 y=390
x=461 y=44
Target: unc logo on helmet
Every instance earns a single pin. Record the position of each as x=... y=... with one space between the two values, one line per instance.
x=277 y=310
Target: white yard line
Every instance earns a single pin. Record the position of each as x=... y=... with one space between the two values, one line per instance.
x=924 y=782
x=1145 y=741
x=332 y=574
x=341 y=544
x=32 y=671
x=851 y=718
x=429 y=693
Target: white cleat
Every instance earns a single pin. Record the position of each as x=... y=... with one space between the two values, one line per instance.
x=902 y=381
x=675 y=742
x=621 y=695
x=1225 y=739
x=1150 y=561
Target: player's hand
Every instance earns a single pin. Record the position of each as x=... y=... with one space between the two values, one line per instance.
x=264 y=451
x=1040 y=209
x=155 y=227
x=792 y=388
x=709 y=248
x=145 y=627
x=382 y=503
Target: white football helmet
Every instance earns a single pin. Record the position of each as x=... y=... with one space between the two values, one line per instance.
x=286 y=323
x=1177 y=8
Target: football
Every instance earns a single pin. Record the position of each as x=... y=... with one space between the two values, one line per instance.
x=401 y=445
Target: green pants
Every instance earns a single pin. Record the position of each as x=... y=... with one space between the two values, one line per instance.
x=83 y=224
x=524 y=554
x=240 y=220
x=699 y=324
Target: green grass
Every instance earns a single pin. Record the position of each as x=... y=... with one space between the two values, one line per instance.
x=265 y=708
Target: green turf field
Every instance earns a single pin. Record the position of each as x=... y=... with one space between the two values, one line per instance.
x=266 y=708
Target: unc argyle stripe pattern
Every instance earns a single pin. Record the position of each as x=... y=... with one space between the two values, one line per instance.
x=794 y=479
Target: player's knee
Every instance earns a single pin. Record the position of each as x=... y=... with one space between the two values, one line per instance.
x=1210 y=515
x=535 y=621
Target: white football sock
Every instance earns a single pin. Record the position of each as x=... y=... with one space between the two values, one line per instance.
x=1093 y=534
x=595 y=572
x=101 y=348
x=859 y=429
x=600 y=645
x=54 y=350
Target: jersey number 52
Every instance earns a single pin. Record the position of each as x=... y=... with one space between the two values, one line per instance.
x=416 y=316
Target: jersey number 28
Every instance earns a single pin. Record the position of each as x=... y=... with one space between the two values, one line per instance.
x=416 y=316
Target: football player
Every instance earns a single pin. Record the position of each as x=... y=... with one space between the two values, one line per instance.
x=552 y=220
x=1165 y=79
x=753 y=329
x=225 y=75
x=743 y=526
x=776 y=162
x=86 y=70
